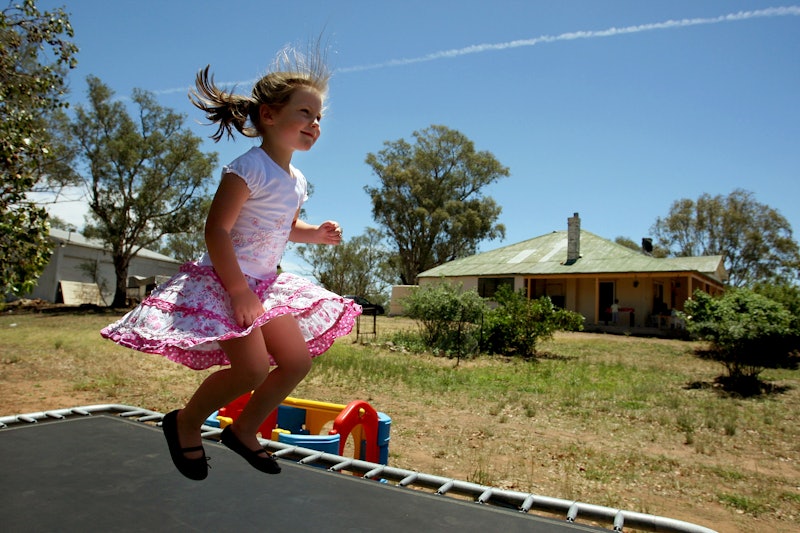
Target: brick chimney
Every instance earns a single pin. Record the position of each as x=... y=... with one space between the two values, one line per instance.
x=573 y=238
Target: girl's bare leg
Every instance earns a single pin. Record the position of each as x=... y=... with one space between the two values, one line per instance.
x=249 y=369
x=283 y=339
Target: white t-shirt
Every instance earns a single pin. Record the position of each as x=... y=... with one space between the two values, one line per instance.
x=262 y=230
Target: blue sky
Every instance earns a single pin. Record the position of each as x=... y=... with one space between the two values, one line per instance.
x=612 y=109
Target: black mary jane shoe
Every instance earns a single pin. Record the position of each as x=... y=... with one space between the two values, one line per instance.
x=268 y=464
x=197 y=468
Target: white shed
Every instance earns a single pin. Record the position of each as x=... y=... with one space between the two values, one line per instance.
x=80 y=270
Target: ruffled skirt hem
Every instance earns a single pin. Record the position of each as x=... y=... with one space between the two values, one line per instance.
x=185 y=318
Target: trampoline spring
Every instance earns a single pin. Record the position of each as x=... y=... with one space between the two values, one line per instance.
x=572 y=514
x=26 y=418
x=485 y=496
x=527 y=503
x=341 y=466
x=57 y=416
x=135 y=412
x=444 y=489
x=408 y=480
x=374 y=472
x=285 y=451
x=619 y=521
x=310 y=459
x=82 y=412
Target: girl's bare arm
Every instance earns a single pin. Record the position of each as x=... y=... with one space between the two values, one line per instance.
x=228 y=200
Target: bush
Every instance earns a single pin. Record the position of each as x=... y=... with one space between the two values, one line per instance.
x=450 y=317
x=517 y=324
x=747 y=331
x=457 y=322
x=788 y=295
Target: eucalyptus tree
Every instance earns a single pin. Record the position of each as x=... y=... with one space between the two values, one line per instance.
x=430 y=200
x=145 y=176
x=755 y=239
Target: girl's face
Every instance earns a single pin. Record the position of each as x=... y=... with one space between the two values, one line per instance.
x=296 y=125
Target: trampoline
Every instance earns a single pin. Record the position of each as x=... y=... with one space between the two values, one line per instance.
x=107 y=468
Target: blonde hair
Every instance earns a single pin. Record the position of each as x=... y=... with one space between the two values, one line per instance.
x=290 y=70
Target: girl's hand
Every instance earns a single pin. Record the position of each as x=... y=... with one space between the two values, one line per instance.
x=246 y=307
x=329 y=232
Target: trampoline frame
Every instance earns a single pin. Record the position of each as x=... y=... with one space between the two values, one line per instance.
x=483 y=495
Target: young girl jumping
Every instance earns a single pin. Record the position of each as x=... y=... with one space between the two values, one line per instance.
x=232 y=307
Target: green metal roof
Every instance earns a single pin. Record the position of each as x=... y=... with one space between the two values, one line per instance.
x=547 y=255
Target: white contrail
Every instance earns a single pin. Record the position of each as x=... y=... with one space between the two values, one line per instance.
x=229 y=84
x=571 y=36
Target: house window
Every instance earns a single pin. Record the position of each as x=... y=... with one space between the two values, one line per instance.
x=488 y=286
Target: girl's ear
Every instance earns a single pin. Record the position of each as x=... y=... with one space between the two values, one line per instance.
x=266 y=114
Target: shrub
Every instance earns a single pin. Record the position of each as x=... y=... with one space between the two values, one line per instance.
x=788 y=295
x=517 y=324
x=746 y=330
x=449 y=317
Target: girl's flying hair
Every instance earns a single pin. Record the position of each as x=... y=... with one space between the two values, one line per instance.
x=290 y=69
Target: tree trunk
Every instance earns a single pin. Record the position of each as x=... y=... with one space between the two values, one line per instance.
x=121 y=288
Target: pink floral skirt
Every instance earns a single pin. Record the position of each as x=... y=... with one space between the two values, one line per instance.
x=184 y=318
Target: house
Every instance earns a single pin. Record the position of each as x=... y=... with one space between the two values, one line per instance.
x=587 y=274
x=81 y=271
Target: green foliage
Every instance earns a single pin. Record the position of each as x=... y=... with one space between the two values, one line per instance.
x=744 y=328
x=449 y=317
x=24 y=248
x=788 y=295
x=517 y=324
x=755 y=239
x=147 y=177
x=751 y=506
x=430 y=200
x=457 y=321
x=35 y=51
x=191 y=242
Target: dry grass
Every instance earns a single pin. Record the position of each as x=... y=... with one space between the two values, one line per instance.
x=603 y=419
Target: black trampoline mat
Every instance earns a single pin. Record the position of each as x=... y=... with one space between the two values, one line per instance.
x=106 y=473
